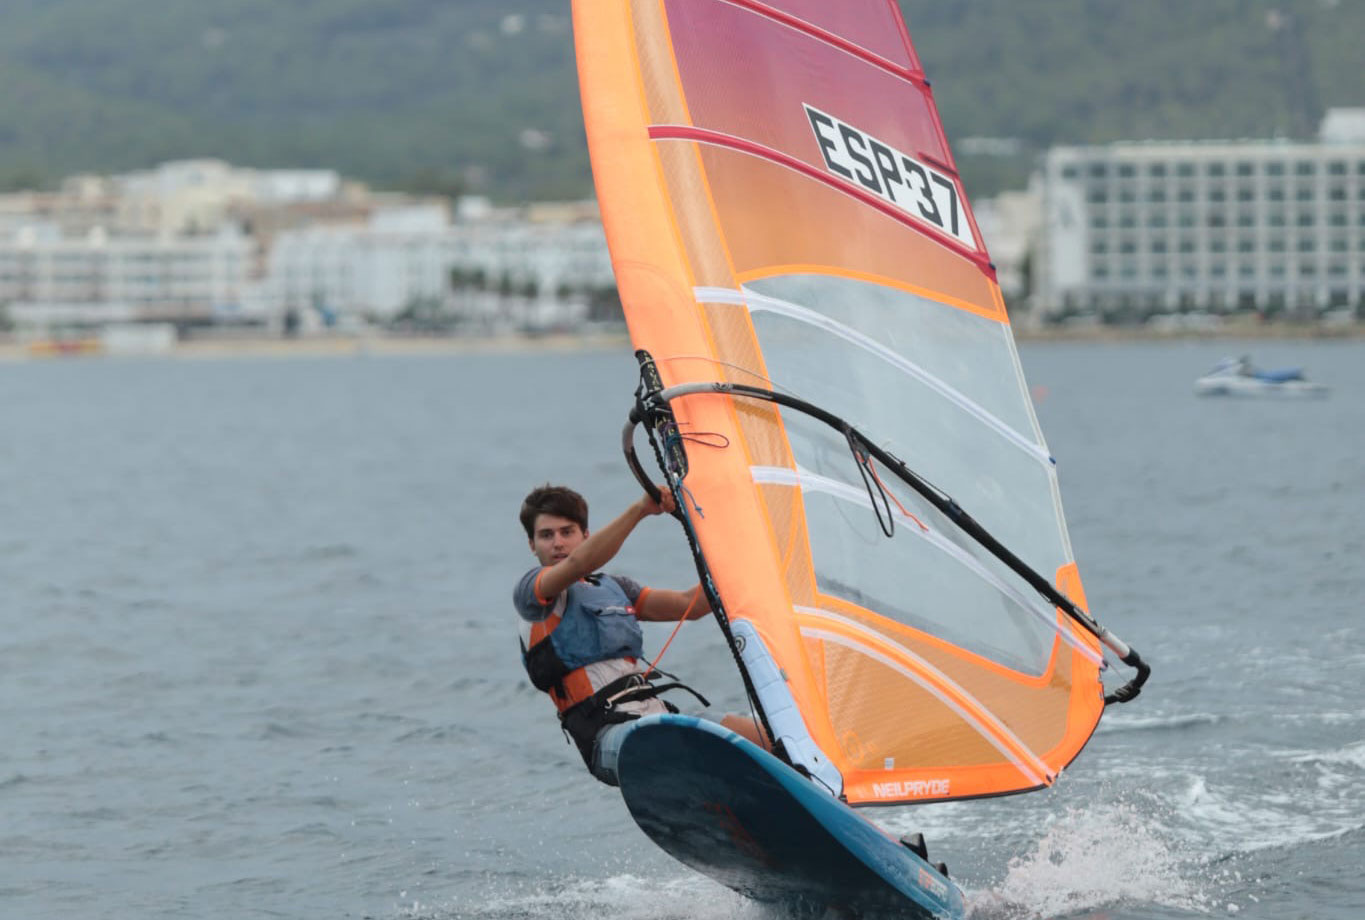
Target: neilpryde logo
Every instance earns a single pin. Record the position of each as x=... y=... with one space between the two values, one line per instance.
x=913 y=789
x=914 y=187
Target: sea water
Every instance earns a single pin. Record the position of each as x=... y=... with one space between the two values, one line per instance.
x=258 y=654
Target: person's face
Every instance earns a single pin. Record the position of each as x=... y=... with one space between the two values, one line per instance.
x=554 y=537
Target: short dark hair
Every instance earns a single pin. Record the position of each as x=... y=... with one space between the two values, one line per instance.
x=560 y=501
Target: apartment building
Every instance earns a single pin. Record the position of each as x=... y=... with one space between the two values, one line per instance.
x=201 y=241
x=1134 y=229
x=373 y=268
x=48 y=277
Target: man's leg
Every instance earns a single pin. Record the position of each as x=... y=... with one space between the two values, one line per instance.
x=606 y=750
x=746 y=728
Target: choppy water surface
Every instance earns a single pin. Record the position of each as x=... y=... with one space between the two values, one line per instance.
x=257 y=654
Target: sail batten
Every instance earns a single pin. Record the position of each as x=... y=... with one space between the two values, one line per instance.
x=776 y=157
x=911 y=73
x=783 y=211
x=759 y=303
x=806 y=480
x=916 y=669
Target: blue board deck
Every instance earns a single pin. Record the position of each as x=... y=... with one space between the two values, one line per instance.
x=736 y=813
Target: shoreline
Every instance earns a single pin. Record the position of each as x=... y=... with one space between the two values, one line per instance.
x=315 y=347
x=216 y=348
x=1229 y=332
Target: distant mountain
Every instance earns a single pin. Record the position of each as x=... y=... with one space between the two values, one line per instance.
x=481 y=95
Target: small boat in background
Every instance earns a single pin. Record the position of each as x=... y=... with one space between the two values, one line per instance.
x=1238 y=377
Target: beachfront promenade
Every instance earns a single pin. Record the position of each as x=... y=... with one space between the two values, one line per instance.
x=385 y=343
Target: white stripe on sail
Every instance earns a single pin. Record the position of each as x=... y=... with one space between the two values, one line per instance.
x=1031 y=770
x=814 y=482
x=757 y=303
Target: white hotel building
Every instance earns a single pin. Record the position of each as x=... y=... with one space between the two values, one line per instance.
x=47 y=277
x=556 y=244
x=1133 y=229
x=372 y=269
x=405 y=254
x=200 y=241
x=160 y=244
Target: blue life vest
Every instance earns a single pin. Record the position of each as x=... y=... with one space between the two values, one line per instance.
x=598 y=623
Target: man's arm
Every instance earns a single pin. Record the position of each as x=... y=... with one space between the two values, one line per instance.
x=659 y=606
x=599 y=548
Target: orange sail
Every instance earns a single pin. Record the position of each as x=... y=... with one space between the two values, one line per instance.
x=783 y=212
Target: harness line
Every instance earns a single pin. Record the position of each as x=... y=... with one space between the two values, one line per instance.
x=696 y=594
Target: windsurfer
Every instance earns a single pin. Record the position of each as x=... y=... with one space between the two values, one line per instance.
x=581 y=639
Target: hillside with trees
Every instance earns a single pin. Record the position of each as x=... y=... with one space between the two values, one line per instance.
x=481 y=95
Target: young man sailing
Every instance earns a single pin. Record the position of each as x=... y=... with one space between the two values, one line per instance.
x=581 y=640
